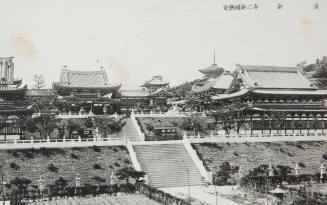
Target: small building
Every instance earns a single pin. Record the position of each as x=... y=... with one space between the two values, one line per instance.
x=165 y=130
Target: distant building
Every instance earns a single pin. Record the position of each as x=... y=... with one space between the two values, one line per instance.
x=12 y=99
x=154 y=94
x=155 y=83
x=269 y=91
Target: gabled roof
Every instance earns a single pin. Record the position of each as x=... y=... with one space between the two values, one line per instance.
x=272 y=77
x=85 y=79
x=214 y=68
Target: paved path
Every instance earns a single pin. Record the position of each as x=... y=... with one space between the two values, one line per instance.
x=203 y=194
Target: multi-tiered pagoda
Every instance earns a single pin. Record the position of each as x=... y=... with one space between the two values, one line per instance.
x=88 y=92
x=12 y=99
x=270 y=92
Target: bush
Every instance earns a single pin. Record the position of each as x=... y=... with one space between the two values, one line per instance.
x=301 y=164
x=52 y=168
x=127 y=161
x=97 y=166
x=74 y=156
x=14 y=166
x=324 y=156
x=117 y=164
x=15 y=154
x=96 y=148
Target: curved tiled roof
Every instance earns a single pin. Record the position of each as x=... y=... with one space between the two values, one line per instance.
x=156 y=80
x=84 y=79
x=274 y=77
x=211 y=69
x=222 y=82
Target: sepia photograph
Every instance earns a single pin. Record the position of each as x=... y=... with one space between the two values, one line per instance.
x=163 y=102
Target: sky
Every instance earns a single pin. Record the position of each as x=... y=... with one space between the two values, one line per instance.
x=136 y=39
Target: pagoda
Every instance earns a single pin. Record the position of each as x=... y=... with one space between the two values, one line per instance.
x=87 y=91
x=12 y=100
x=270 y=92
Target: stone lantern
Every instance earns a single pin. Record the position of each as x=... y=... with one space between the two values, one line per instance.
x=77 y=184
x=322 y=172
x=41 y=185
x=270 y=171
x=112 y=179
x=297 y=168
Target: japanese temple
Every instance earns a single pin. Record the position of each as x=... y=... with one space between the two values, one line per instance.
x=155 y=83
x=268 y=91
x=12 y=95
x=88 y=92
x=153 y=94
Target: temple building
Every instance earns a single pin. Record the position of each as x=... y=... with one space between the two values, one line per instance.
x=155 y=83
x=152 y=95
x=88 y=92
x=12 y=100
x=276 y=100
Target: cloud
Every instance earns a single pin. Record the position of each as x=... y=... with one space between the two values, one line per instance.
x=23 y=46
x=123 y=73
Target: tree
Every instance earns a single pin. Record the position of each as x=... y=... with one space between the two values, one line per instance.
x=61 y=185
x=127 y=172
x=88 y=122
x=38 y=81
x=2 y=180
x=21 y=184
x=195 y=124
x=48 y=123
x=109 y=125
x=25 y=123
x=72 y=126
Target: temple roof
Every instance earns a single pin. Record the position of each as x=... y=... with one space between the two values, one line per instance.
x=222 y=83
x=274 y=77
x=85 y=79
x=155 y=80
x=212 y=69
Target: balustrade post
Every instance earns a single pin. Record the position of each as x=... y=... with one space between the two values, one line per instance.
x=15 y=141
x=64 y=138
x=48 y=138
x=32 y=140
x=79 y=138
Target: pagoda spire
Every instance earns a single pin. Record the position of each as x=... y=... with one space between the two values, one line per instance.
x=214 y=56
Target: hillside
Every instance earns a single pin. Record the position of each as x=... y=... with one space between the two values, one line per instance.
x=31 y=164
x=250 y=155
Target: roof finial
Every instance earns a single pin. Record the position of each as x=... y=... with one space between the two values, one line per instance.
x=214 y=56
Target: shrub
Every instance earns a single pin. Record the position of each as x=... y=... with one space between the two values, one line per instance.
x=236 y=154
x=14 y=166
x=52 y=168
x=28 y=154
x=115 y=149
x=96 y=148
x=117 y=164
x=111 y=167
x=324 y=156
x=97 y=166
x=127 y=161
x=74 y=156
x=15 y=154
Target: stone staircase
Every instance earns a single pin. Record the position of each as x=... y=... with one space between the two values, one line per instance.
x=130 y=131
x=167 y=165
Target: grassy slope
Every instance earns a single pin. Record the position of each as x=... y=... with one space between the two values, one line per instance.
x=109 y=158
x=250 y=155
x=130 y=199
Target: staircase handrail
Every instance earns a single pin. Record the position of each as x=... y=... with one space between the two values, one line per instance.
x=207 y=175
x=132 y=155
x=138 y=129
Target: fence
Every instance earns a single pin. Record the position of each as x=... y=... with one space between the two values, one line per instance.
x=62 y=143
x=239 y=138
